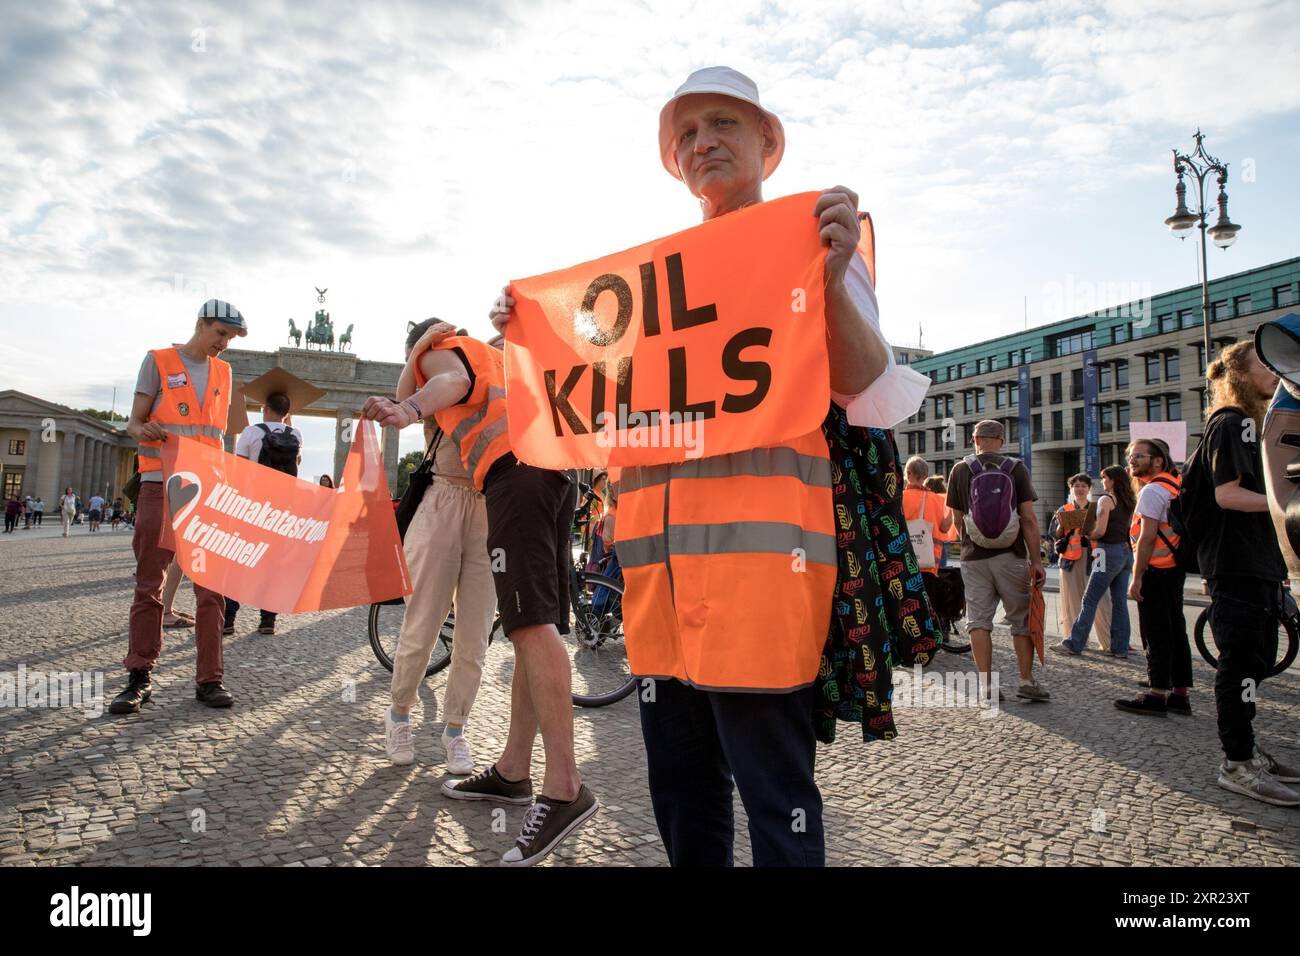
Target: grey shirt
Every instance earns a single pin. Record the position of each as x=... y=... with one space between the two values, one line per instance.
x=148 y=382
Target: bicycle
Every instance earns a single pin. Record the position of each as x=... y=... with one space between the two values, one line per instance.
x=594 y=644
x=1289 y=622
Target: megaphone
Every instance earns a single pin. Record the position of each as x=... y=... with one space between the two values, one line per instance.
x=1277 y=344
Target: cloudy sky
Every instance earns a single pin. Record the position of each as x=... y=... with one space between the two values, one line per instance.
x=414 y=157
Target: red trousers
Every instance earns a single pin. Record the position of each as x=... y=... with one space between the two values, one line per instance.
x=151 y=563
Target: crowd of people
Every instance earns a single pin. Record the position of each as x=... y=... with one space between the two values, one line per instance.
x=1123 y=543
x=27 y=512
x=729 y=635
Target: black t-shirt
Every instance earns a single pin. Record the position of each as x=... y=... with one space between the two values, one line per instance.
x=1236 y=543
x=959 y=500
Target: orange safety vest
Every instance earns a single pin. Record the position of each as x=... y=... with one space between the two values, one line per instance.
x=1074 y=543
x=179 y=412
x=1162 y=552
x=916 y=502
x=478 y=424
x=730 y=566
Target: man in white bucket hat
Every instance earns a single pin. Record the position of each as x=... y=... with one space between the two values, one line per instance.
x=738 y=724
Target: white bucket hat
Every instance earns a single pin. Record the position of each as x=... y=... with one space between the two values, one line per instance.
x=728 y=82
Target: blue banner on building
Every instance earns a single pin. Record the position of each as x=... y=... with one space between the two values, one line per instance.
x=1091 y=415
x=1026 y=433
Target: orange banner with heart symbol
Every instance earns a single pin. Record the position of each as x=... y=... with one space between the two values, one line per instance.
x=710 y=341
x=279 y=543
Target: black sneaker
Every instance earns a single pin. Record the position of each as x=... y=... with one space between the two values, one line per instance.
x=1179 y=704
x=546 y=824
x=490 y=785
x=213 y=694
x=139 y=688
x=1152 y=704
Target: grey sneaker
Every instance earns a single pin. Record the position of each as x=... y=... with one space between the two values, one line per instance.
x=546 y=824
x=1064 y=648
x=1276 y=769
x=489 y=785
x=1252 y=779
x=1032 y=690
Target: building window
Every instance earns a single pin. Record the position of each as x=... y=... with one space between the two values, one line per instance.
x=1013 y=395
x=997 y=396
x=1166 y=323
x=1153 y=369
x=967 y=435
x=920 y=414
x=17 y=446
x=1078 y=422
x=1056 y=388
x=1122 y=333
x=1284 y=295
x=1155 y=409
x=966 y=403
x=979 y=401
x=1036 y=424
x=979 y=366
x=1121 y=415
x=920 y=441
x=1171 y=366
x=993 y=363
x=1058 y=426
x=1121 y=373
x=1174 y=409
x=950 y=371
x=1072 y=343
x=1103 y=377
x=1219 y=311
x=13 y=484
x=1241 y=305
x=1013 y=429
x=1036 y=391
x=1107 y=455
x=1106 y=418
x=1186 y=320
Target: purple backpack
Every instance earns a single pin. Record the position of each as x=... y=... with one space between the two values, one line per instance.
x=993 y=520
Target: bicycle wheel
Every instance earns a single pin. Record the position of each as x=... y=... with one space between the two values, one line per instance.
x=1288 y=642
x=595 y=644
x=386 y=626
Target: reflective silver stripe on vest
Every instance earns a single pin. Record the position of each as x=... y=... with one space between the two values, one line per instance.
x=759 y=462
x=469 y=424
x=194 y=431
x=149 y=451
x=481 y=444
x=736 y=537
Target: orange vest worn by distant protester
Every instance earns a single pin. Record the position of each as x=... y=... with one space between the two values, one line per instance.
x=179 y=412
x=478 y=424
x=1074 y=541
x=1162 y=551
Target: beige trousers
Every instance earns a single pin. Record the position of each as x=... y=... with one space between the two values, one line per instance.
x=446 y=552
x=1073 y=583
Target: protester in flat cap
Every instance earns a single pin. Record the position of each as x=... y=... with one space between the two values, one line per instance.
x=733 y=706
x=181 y=390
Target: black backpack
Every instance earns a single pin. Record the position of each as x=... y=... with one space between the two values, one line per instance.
x=279 y=449
x=1191 y=509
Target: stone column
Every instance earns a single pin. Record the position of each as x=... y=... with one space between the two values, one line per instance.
x=32 y=462
x=78 y=462
x=67 y=460
x=392 y=440
x=86 y=481
x=342 y=442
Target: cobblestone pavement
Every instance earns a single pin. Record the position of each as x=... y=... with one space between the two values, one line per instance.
x=296 y=773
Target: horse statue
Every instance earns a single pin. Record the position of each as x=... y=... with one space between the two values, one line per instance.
x=345 y=340
x=321 y=332
x=295 y=334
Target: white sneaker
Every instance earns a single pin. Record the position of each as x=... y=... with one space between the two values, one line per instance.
x=397 y=740
x=460 y=760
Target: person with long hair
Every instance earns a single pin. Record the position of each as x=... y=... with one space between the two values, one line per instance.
x=1111 y=565
x=1238 y=554
x=447 y=554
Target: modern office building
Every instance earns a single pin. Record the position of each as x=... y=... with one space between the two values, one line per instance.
x=1140 y=361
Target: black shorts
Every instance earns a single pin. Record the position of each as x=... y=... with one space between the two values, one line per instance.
x=94 y=515
x=530 y=514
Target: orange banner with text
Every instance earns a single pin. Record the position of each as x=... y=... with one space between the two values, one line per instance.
x=709 y=341
x=280 y=543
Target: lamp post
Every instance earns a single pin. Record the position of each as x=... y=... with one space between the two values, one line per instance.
x=1201 y=165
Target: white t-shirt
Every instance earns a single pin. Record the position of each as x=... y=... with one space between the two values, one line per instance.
x=69 y=503
x=249 y=444
x=1154 y=499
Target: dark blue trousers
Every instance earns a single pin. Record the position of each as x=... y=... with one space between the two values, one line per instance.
x=701 y=745
x=232 y=608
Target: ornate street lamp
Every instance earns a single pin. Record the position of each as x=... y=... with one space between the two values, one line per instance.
x=1201 y=165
